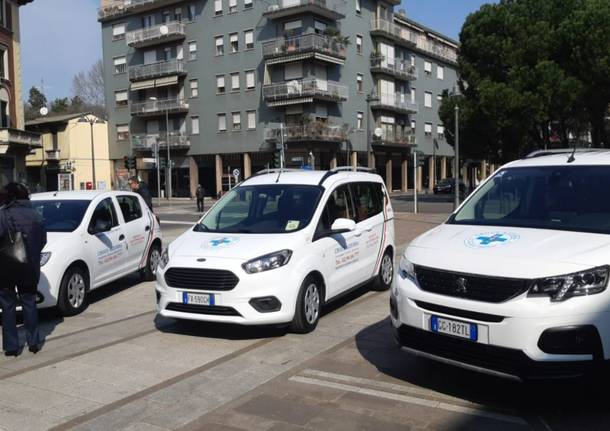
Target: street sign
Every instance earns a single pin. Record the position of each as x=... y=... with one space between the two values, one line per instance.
x=236 y=174
x=150 y=160
x=378 y=132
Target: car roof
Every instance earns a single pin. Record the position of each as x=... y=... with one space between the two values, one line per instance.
x=581 y=158
x=83 y=195
x=307 y=177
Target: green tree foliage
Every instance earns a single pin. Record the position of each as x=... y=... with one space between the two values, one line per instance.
x=36 y=100
x=60 y=106
x=531 y=73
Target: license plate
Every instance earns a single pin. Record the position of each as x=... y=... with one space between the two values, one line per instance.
x=454 y=327
x=197 y=298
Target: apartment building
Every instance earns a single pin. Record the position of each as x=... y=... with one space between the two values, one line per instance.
x=15 y=142
x=224 y=83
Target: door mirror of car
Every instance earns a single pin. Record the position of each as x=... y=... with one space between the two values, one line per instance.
x=342 y=225
x=100 y=225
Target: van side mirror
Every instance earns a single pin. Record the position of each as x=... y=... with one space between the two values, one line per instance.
x=342 y=225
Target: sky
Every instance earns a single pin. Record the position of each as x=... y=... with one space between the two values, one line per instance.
x=59 y=38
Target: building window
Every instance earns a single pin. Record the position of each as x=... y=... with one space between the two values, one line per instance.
x=121 y=98
x=166 y=17
x=236 y=119
x=192 y=12
x=3 y=63
x=413 y=97
x=235 y=81
x=217 y=7
x=220 y=84
x=118 y=31
x=359 y=83
x=194 y=88
x=412 y=60
x=250 y=80
x=359 y=45
x=222 y=122
x=234 y=42
x=232 y=6
x=440 y=72
x=148 y=21
x=428 y=99
x=247 y=4
x=359 y=120
x=439 y=99
x=120 y=65
x=440 y=131
x=249 y=39
x=122 y=132
x=413 y=126
x=428 y=129
x=319 y=27
x=251 y=119
x=292 y=28
x=428 y=68
x=178 y=14
x=358 y=7
x=192 y=51
x=220 y=45
x=194 y=125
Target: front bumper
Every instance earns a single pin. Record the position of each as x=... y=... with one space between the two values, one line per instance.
x=512 y=336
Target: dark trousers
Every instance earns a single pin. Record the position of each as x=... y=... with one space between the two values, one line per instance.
x=8 y=303
x=200 y=204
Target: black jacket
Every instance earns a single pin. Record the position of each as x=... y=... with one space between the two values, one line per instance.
x=20 y=216
x=145 y=193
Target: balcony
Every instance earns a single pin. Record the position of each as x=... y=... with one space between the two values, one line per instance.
x=163 y=33
x=315 y=131
x=395 y=67
x=116 y=8
x=316 y=46
x=438 y=50
x=148 y=141
x=156 y=70
x=389 y=30
x=19 y=137
x=152 y=108
x=304 y=91
x=286 y=8
x=394 y=102
x=53 y=155
x=396 y=140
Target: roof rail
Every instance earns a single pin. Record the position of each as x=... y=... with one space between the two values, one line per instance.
x=541 y=153
x=353 y=168
x=275 y=170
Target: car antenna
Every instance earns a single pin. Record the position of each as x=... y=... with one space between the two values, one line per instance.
x=278 y=175
x=572 y=158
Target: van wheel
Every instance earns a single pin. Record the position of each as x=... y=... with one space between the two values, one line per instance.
x=309 y=304
x=73 y=292
x=149 y=272
x=383 y=281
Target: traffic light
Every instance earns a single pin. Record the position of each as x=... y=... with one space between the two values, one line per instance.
x=129 y=162
x=126 y=162
x=277 y=159
x=162 y=164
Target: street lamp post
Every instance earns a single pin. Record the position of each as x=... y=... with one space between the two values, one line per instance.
x=92 y=120
x=371 y=97
x=456 y=173
x=168 y=180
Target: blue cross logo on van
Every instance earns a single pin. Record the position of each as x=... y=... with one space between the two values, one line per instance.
x=491 y=239
x=222 y=241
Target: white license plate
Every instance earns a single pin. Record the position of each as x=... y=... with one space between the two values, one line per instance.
x=454 y=327
x=197 y=298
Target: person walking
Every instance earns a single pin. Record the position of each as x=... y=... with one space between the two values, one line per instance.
x=199 y=194
x=141 y=188
x=17 y=215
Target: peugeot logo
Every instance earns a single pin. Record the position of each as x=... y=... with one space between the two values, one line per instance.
x=461 y=286
x=201 y=259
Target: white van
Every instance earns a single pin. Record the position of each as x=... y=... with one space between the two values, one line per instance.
x=279 y=246
x=515 y=282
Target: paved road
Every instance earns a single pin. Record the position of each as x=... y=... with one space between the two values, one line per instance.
x=119 y=367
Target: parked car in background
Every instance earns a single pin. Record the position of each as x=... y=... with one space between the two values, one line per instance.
x=447 y=186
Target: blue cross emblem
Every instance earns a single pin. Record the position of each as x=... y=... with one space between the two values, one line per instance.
x=488 y=239
x=220 y=241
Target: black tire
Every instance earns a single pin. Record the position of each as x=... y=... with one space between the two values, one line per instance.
x=149 y=272
x=384 y=278
x=308 y=308
x=73 y=292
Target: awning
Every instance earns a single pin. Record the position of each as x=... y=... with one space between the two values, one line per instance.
x=143 y=85
x=290 y=101
x=290 y=58
x=330 y=59
x=169 y=80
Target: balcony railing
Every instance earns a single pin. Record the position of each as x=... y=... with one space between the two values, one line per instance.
x=315 y=43
x=157 y=107
x=407 y=139
x=158 y=34
x=21 y=137
x=437 y=49
x=394 y=66
x=284 y=8
x=395 y=32
x=148 y=141
x=394 y=102
x=315 y=131
x=155 y=70
x=115 y=8
x=305 y=88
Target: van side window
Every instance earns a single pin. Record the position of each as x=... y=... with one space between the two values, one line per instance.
x=130 y=207
x=339 y=205
x=105 y=211
x=367 y=199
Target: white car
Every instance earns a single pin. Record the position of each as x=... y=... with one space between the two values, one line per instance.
x=278 y=247
x=93 y=238
x=515 y=282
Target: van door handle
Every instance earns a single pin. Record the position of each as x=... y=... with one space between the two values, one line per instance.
x=122 y=238
x=358 y=234
x=147 y=228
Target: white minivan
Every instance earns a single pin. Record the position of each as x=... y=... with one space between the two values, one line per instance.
x=515 y=282
x=279 y=246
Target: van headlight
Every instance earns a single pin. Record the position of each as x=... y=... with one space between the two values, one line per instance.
x=267 y=262
x=44 y=258
x=164 y=259
x=406 y=268
x=582 y=283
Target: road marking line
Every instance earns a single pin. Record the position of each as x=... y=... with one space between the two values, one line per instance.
x=412 y=400
x=186 y=223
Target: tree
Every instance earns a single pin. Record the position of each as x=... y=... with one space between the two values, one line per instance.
x=89 y=88
x=59 y=106
x=35 y=101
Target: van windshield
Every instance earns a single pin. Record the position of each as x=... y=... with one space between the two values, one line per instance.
x=61 y=215
x=572 y=198
x=268 y=208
